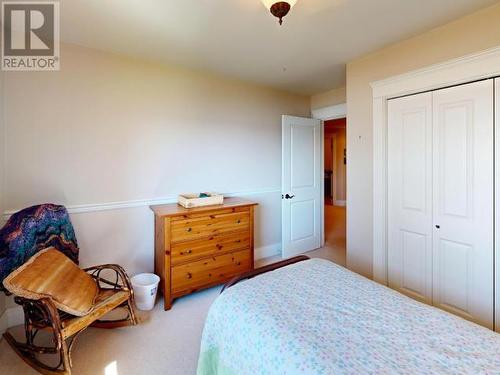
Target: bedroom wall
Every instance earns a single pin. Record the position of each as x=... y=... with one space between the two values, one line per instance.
x=329 y=98
x=108 y=135
x=473 y=33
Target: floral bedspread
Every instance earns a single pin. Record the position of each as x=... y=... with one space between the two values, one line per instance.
x=315 y=317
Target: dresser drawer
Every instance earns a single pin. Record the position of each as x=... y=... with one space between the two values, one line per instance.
x=191 y=250
x=204 y=214
x=208 y=225
x=210 y=271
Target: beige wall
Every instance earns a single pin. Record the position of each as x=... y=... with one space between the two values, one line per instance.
x=329 y=98
x=467 y=35
x=108 y=128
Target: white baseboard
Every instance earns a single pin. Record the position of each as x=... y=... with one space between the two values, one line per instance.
x=13 y=316
x=267 y=251
x=339 y=203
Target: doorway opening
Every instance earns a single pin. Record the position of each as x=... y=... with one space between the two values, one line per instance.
x=335 y=165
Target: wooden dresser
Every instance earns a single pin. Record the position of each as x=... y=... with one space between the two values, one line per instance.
x=197 y=248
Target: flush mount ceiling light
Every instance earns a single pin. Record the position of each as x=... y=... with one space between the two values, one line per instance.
x=279 y=9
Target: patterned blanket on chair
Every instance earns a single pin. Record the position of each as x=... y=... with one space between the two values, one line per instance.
x=31 y=230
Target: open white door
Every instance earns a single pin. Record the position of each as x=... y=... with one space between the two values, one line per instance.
x=301 y=185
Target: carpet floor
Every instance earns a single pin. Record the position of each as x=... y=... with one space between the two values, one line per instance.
x=164 y=342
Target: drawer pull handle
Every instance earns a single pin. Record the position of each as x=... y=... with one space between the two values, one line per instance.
x=187 y=252
x=189 y=229
x=189 y=275
x=239 y=221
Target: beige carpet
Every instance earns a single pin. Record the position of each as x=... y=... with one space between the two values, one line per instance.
x=164 y=342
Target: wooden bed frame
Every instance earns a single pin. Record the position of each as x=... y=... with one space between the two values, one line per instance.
x=264 y=269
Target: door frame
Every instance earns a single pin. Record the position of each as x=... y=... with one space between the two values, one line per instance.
x=474 y=67
x=332 y=112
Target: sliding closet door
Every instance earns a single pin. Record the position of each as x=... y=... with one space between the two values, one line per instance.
x=463 y=201
x=410 y=196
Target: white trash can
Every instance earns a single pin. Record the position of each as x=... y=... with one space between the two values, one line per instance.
x=145 y=287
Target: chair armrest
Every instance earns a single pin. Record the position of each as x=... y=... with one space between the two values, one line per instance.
x=121 y=278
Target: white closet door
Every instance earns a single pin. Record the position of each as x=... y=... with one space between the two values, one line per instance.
x=463 y=201
x=410 y=196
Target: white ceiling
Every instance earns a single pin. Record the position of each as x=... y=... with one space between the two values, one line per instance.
x=240 y=39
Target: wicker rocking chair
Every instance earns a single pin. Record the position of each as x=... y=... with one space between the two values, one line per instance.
x=40 y=240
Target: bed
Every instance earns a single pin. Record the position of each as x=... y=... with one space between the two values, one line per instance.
x=315 y=317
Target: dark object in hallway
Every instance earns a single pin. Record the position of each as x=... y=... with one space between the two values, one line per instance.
x=328 y=187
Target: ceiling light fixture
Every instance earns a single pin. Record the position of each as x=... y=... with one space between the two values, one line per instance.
x=279 y=9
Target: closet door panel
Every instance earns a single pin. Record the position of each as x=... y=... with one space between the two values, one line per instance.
x=463 y=201
x=410 y=201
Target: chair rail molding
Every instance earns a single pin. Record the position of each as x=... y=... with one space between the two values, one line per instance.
x=107 y=206
x=477 y=66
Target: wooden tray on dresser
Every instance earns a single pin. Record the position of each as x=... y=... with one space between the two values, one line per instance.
x=200 y=247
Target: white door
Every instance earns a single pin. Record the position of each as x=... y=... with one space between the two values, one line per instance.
x=463 y=201
x=410 y=192
x=301 y=185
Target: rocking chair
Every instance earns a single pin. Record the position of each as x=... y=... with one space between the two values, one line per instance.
x=40 y=241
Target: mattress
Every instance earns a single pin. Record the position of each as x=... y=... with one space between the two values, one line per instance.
x=315 y=317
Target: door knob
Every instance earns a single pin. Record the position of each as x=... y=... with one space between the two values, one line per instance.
x=438 y=226
x=288 y=196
